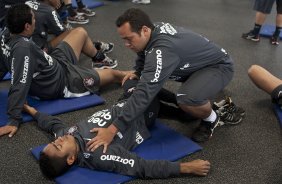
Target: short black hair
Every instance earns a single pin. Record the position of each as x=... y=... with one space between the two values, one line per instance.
x=52 y=167
x=136 y=18
x=17 y=16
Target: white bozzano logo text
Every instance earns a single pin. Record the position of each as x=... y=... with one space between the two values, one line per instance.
x=100 y=117
x=124 y=161
x=168 y=29
x=25 y=69
x=57 y=20
x=139 y=138
x=159 y=66
x=48 y=58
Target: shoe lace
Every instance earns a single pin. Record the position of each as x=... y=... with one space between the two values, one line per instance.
x=227 y=116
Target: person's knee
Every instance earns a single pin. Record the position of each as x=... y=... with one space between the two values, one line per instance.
x=79 y=31
x=254 y=70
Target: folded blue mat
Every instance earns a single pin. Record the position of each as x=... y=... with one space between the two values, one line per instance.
x=51 y=107
x=165 y=143
x=278 y=111
x=7 y=76
x=268 y=30
x=89 y=3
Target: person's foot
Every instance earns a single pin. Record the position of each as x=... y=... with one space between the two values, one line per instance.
x=141 y=1
x=77 y=19
x=104 y=47
x=251 y=36
x=206 y=129
x=227 y=105
x=197 y=167
x=274 y=40
x=85 y=11
x=106 y=63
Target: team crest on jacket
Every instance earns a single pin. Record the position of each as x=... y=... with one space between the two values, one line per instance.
x=88 y=82
x=86 y=155
x=72 y=130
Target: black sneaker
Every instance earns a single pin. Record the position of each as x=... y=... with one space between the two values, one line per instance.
x=77 y=19
x=251 y=36
x=86 y=11
x=274 y=40
x=227 y=105
x=106 y=63
x=205 y=130
x=230 y=118
x=104 y=47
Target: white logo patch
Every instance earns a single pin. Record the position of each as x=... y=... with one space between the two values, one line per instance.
x=168 y=29
x=86 y=155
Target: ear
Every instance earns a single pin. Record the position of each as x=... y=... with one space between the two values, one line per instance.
x=71 y=159
x=146 y=31
x=27 y=26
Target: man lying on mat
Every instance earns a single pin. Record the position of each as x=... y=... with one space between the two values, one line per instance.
x=71 y=145
x=45 y=76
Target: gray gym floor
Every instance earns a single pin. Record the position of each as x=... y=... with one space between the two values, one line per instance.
x=250 y=152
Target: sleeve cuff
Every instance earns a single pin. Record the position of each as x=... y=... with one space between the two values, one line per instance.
x=119 y=124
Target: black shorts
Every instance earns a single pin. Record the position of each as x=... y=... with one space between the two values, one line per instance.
x=265 y=6
x=80 y=81
x=276 y=95
x=205 y=84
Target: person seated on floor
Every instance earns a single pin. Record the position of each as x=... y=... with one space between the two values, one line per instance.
x=47 y=21
x=264 y=80
x=45 y=76
x=73 y=145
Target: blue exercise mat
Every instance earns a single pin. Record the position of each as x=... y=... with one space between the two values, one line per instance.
x=165 y=143
x=89 y=3
x=278 y=111
x=7 y=76
x=51 y=107
x=268 y=30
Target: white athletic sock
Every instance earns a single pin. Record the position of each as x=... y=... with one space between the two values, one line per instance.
x=212 y=117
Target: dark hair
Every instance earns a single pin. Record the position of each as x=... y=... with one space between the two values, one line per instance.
x=136 y=18
x=17 y=16
x=52 y=167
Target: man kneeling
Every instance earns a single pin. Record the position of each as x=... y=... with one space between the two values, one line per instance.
x=73 y=146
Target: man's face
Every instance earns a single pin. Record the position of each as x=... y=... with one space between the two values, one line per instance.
x=134 y=41
x=61 y=147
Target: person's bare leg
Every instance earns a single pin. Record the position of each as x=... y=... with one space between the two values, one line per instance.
x=202 y=111
x=260 y=18
x=279 y=20
x=56 y=40
x=79 y=40
x=196 y=167
x=263 y=79
x=108 y=76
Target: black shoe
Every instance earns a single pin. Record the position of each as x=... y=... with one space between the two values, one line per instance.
x=205 y=130
x=104 y=47
x=251 y=36
x=274 y=40
x=106 y=63
x=227 y=105
x=230 y=118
